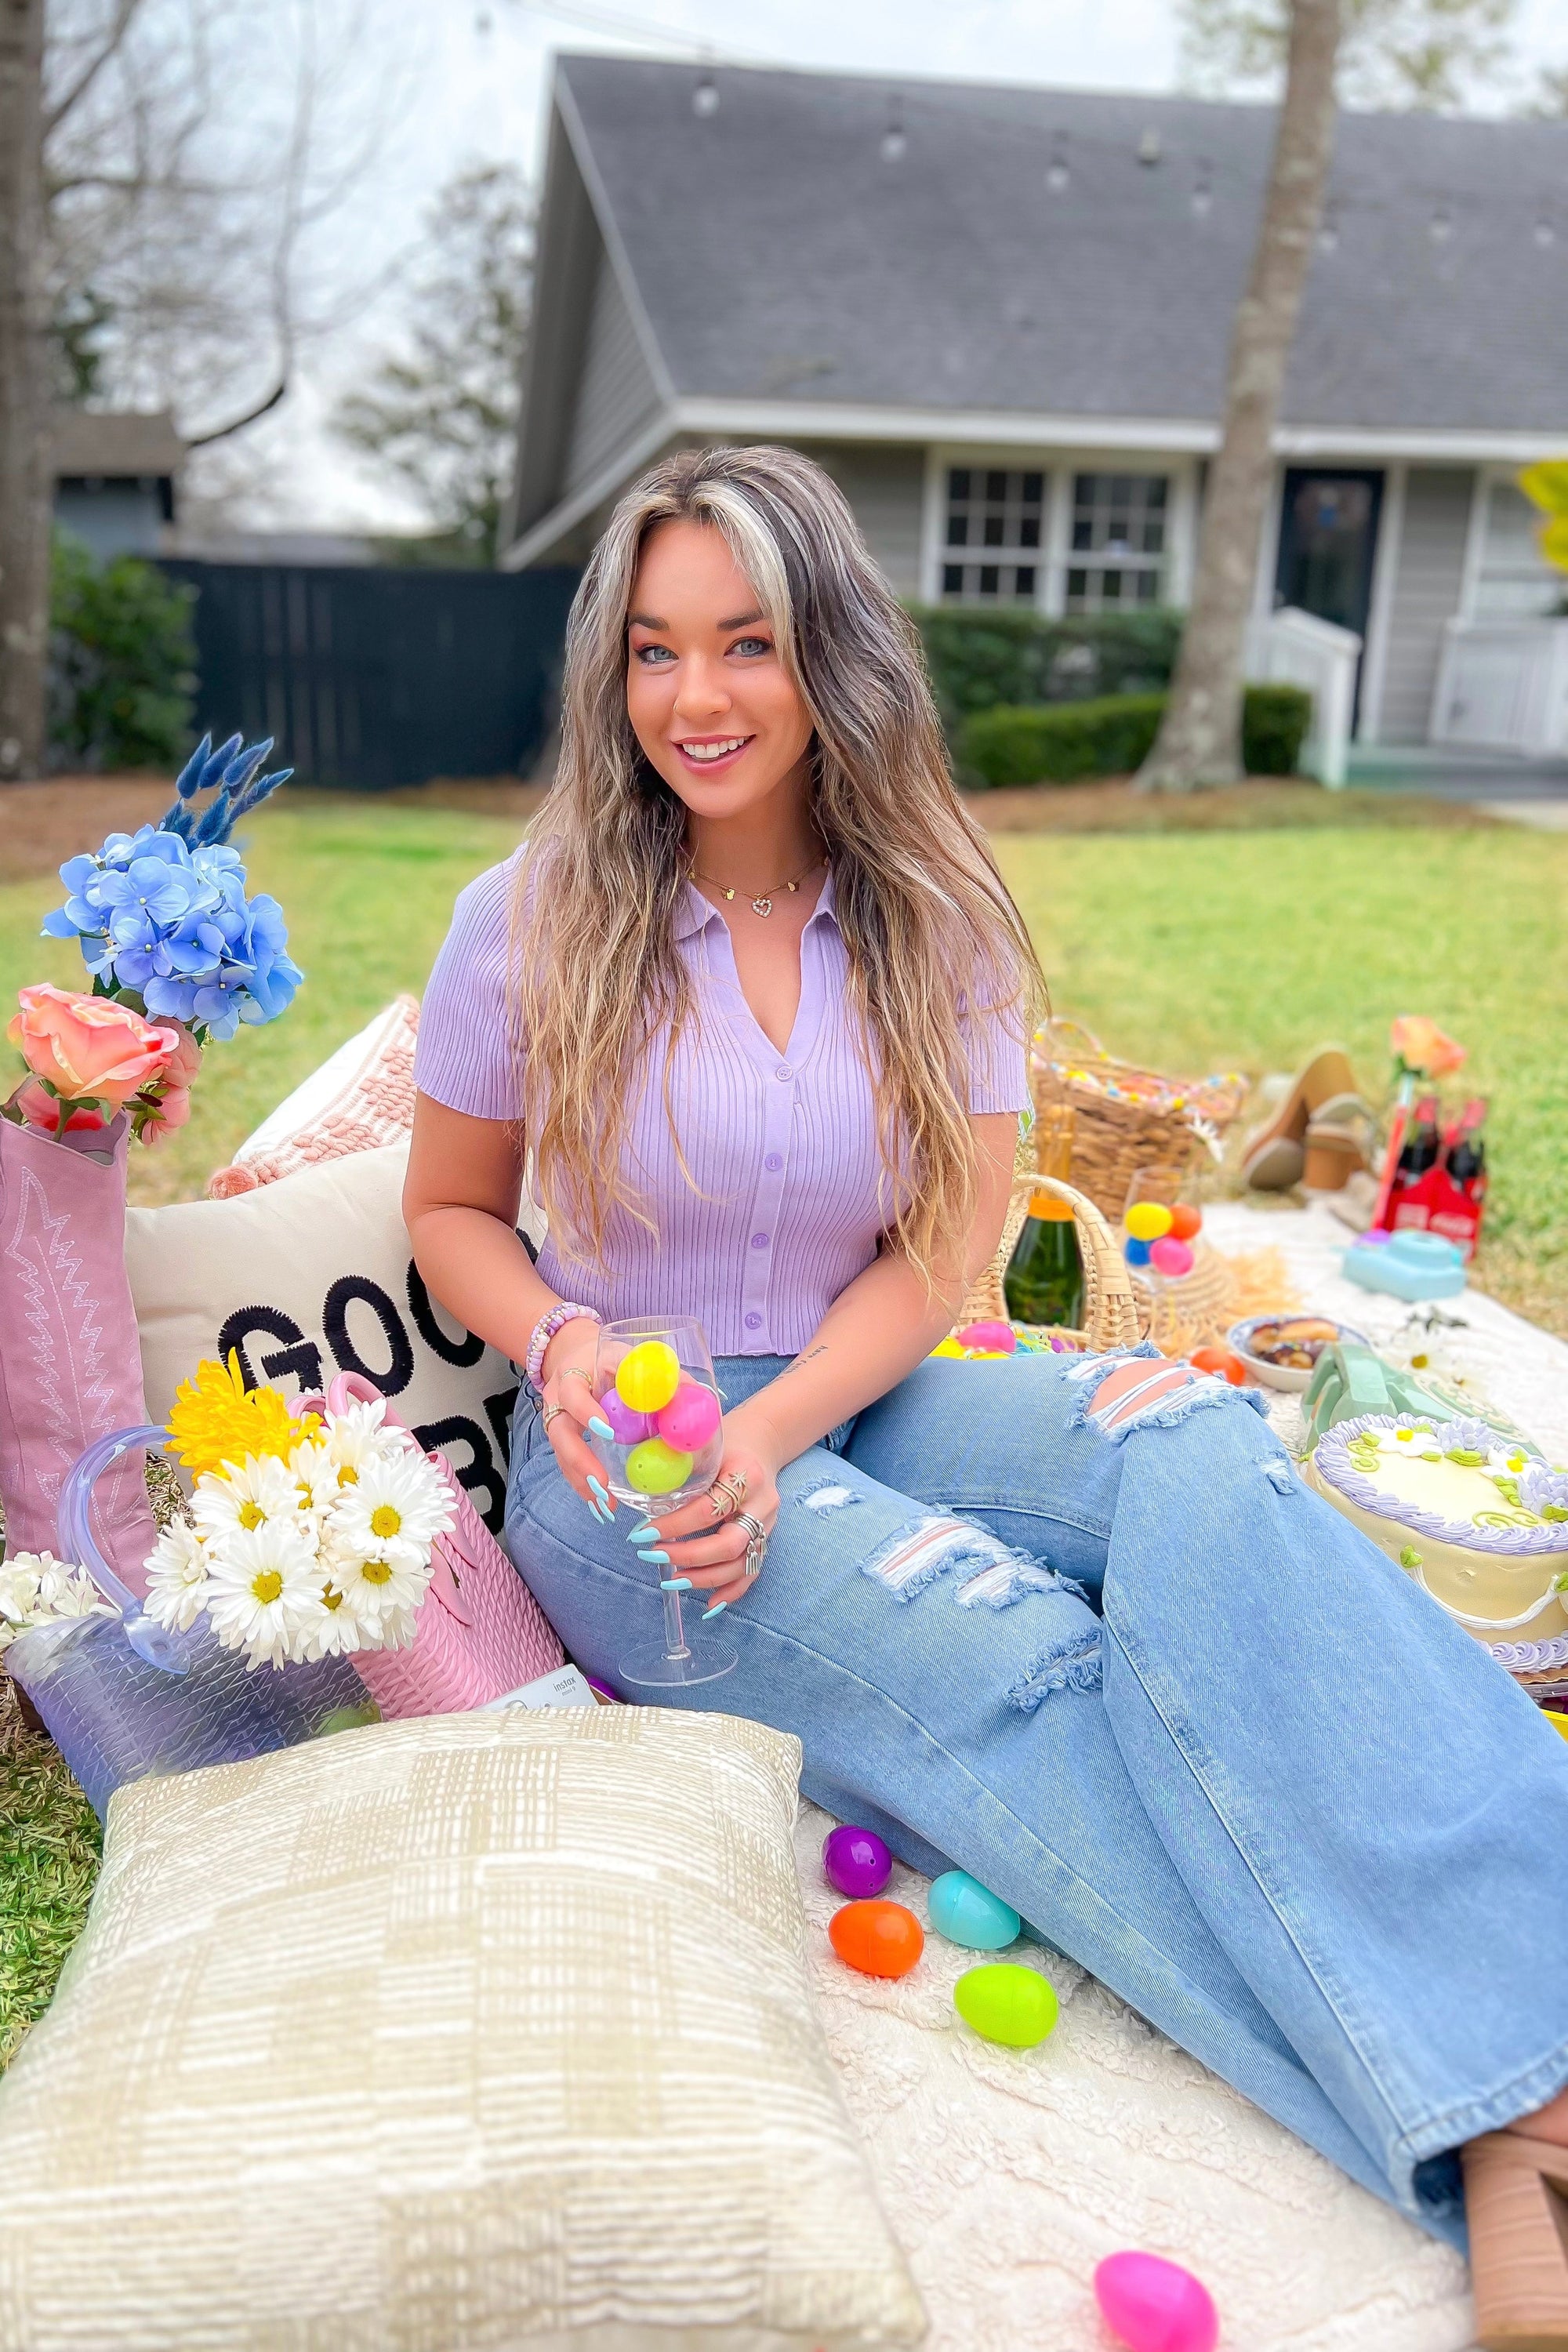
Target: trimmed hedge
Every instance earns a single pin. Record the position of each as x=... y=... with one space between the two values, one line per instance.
x=123 y=662
x=1053 y=744
x=979 y=657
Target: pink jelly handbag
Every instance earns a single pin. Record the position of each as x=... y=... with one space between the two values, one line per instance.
x=480 y=1631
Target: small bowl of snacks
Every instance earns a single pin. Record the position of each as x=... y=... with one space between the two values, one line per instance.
x=1283 y=1351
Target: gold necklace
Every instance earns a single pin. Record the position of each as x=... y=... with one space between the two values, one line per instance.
x=763 y=902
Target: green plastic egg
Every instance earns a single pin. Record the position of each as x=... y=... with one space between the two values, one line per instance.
x=1005 y=2001
x=655 y=1468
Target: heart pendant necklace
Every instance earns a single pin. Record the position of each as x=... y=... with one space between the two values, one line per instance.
x=763 y=902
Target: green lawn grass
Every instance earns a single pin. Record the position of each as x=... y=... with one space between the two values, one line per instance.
x=1197 y=950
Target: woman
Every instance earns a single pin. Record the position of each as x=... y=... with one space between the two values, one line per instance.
x=752 y=999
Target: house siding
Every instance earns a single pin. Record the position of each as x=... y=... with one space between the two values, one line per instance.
x=617 y=396
x=885 y=486
x=1427 y=587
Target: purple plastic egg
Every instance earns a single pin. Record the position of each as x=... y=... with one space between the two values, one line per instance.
x=1170 y=1257
x=856 y=1862
x=1154 y=2305
x=630 y=1427
x=690 y=1418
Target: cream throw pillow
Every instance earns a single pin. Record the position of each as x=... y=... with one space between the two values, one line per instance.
x=310 y=1276
x=467 y=2033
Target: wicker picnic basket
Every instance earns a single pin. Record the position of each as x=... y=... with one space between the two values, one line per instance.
x=1127 y=1116
x=1110 y=1313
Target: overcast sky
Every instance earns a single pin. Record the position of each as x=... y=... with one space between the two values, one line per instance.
x=479 y=68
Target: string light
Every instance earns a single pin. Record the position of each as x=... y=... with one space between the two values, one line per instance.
x=1545 y=233
x=1203 y=188
x=1056 y=173
x=1440 y=228
x=705 y=96
x=893 y=139
x=1149 y=147
x=1329 y=229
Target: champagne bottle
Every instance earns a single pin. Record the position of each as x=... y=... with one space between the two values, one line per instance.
x=1044 y=1281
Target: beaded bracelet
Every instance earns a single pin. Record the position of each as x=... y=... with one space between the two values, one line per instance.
x=553 y=1319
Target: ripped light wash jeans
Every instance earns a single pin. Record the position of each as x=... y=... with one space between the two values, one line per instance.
x=1167 y=1702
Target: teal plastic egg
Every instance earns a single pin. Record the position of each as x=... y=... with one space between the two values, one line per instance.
x=1007 y=2002
x=969 y=1914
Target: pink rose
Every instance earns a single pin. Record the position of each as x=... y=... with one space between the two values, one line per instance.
x=39 y=1109
x=86 y=1046
x=169 y=1111
x=1421 y=1045
x=185 y=1056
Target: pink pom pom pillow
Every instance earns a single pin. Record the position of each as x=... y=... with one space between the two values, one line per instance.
x=358 y=1100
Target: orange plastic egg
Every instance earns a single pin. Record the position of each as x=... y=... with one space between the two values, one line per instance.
x=881 y=1939
x=1185 y=1220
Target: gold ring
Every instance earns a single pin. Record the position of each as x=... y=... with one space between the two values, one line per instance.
x=733 y=1486
x=576 y=1372
x=548 y=1416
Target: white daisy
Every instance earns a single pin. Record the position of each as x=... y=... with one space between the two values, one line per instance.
x=397 y=1507
x=36 y=1588
x=260 y=1493
x=261 y=1584
x=19 y=1581
x=315 y=1475
x=177 y=1577
x=331 y=1629
x=357 y=1437
x=378 y=1585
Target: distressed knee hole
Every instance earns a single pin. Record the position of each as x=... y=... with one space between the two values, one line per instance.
x=926 y=1548
x=829 y=1496
x=1154 y=1394
x=1012 y=1579
x=1131 y=1391
x=1072 y=1663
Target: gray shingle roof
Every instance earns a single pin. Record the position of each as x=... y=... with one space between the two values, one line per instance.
x=115 y=442
x=780 y=254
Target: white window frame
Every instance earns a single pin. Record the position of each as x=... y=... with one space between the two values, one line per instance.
x=1060 y=466
x=1487 y=478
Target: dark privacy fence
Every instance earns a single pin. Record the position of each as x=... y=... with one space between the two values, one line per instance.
x=374 y=676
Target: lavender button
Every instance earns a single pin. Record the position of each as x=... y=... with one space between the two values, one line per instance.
x=759 y=1241
x=753 y=1322
x=775 y=1160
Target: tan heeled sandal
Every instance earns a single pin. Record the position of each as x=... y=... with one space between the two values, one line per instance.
x=1516 y=2201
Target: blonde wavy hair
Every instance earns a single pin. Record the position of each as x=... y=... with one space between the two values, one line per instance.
x=933 y=936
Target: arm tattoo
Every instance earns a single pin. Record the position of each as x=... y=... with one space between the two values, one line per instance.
x=810 y=1357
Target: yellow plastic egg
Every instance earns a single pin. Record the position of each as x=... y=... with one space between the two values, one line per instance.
x=648 y=1377
x=655 y=1468
x=1149 y=1220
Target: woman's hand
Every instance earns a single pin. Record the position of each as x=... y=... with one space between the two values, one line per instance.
x=570 y=1406
x=702 y=1540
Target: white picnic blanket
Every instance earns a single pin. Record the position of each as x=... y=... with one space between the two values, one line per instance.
x=1009 y=2174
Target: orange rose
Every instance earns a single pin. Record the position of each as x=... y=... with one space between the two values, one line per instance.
x=1421 y=1045
x=88 y=1046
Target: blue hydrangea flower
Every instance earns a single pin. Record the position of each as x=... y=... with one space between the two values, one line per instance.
x=169 y=923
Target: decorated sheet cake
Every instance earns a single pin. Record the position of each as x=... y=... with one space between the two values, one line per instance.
x=1479 y=1523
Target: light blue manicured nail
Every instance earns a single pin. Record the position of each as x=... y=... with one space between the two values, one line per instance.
x=605 y=1518
x=660 y=1559
x=643 y=1534
x=601 y=1491
x=714 y=1610
x=601 y=1428
x=675 y=1584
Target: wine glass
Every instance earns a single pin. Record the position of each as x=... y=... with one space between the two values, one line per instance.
x=1161 y=1188
x=657 y=1395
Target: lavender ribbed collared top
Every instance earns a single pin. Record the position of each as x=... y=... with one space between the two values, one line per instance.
x=788 y=1196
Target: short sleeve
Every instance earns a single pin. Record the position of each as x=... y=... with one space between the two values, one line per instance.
x=463 y=1056
x=997 y=1054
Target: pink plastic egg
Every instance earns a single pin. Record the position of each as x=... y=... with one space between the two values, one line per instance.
x=1154 y=2305
x=690 y=1418
x=630 y=1427
x=1170 y=1257
x=998 y=1335
x=856 y=1862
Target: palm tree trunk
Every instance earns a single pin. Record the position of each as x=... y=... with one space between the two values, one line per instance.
x=1199 y=741
x=27 y=483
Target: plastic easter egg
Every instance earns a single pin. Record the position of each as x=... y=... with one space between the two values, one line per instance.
x=655 y=1468
x=881 y=1939
x=1000 y=1338
x=1005 y=2001
x=1148 y=1221
x=690 y=1418
x=856 y=1862
x=1223 y=1361
x=648 y=1376
x=969 y=1914
x=1135 y=1251
x=1154 y=2305
x=630 y=1427
x=1186 y=1222
x=1170 y=1257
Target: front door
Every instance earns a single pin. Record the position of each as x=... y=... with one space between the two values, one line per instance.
x=1328 y=531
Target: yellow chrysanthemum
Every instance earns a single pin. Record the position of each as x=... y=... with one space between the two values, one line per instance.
x=216 y=1419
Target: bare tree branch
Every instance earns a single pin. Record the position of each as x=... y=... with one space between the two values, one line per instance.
x=125 y=14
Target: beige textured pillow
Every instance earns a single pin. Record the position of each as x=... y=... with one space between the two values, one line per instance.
x=461 y=2035
x=310 y=1276
x=361 y=1097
